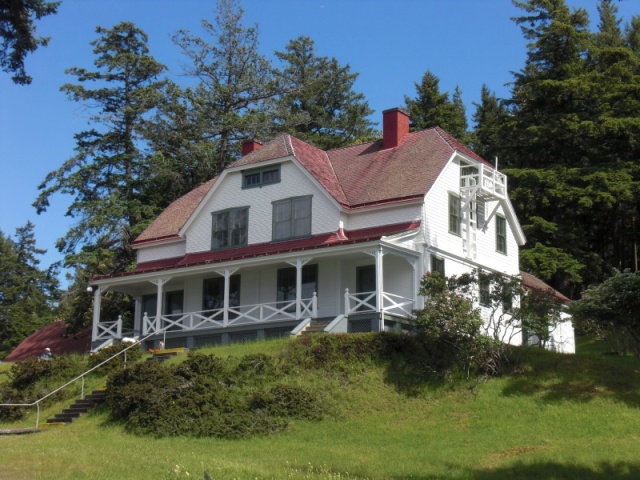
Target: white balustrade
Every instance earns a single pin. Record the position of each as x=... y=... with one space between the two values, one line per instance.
x=366 y=302
x=108 y=330
x=240 y=315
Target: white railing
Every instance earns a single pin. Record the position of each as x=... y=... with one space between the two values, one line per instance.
x=241 y=315
x=397 y=305
x=367 y=302
x=107 y=330
x=487 y=179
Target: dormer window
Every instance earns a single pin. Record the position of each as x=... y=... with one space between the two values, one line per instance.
x=261 y=176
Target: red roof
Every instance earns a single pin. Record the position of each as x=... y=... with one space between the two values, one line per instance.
x=54 y=337
x=534 y=283
x=355 y=176
x=270 y=248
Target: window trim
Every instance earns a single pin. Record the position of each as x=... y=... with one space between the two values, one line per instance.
x=291 y=201
x=501 y=237
x=458 y=214
x=261 y=172
x=229 y=230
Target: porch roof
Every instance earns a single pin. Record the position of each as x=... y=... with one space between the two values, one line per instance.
x=324 y=240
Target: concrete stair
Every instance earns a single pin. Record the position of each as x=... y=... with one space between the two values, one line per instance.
x=315 y=327
x=79 y=408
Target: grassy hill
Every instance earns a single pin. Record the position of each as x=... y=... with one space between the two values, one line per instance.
x=554 y=417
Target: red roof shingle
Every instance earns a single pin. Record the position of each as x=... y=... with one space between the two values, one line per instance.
x=354 y=176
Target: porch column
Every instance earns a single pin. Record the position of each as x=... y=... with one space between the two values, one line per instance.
x=137 y=316
x=379 y=280
x=226 y=273
x=299 y=263
x=378 y=255
x=97 y=300
x=159 y=282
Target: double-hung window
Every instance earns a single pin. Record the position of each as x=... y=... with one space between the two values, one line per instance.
x=501 y=234
x=230 y=228
x=454 y=214
x=260 y=177
x=292 y=218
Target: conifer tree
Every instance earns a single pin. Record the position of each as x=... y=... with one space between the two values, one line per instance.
x=27 y=293
x=234 y=81
x=317 y=102
x=431 y=108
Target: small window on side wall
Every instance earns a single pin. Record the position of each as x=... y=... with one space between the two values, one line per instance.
x=454 y=214
x=501 y=234
x=437 y=265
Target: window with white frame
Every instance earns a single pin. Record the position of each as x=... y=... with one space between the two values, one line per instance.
x=230 y=228
x=454 y=214
x=292 y=218
x=501 y=234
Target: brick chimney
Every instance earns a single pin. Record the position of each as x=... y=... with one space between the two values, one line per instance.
x=249 y=146
x=395 y=126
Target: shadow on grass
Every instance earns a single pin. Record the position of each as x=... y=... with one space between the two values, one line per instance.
x=544 y=471
x=557 y=471
x=556 y=377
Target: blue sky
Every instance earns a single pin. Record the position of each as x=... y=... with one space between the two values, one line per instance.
x=390 y=43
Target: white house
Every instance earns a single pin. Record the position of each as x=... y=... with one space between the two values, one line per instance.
x=290 y=237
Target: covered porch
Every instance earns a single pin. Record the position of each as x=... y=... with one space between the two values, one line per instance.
x=345 y=287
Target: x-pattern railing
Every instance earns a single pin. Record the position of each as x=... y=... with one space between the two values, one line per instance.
x=240 y=315
x=366 y=302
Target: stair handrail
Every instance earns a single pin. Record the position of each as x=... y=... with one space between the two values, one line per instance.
x=81 y=376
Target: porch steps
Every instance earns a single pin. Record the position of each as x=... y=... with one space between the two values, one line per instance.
x=164 y=355
x=80 y=407
x=315 y=327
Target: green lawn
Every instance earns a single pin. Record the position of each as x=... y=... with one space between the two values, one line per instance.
x=559 y=416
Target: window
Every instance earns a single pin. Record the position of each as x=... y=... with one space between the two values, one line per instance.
x=230 y=228
x=150 y=305
x=454 y=214
x=263 y=176
x=485 y=290
x=501 y=234
x=480 y=215
x=437 y=265
x=286 y=285
x=292 y=218
x=213 y=292
x=507 y=299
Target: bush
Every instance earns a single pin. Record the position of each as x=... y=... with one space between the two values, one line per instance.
x=207 y=396
x=133 y=354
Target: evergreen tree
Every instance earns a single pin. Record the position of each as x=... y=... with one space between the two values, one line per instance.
x=489 y=118
x=317 y=103
x=431 y=108
x=576 y=134
x=108 y=172
x=552 y=111
x=27 y=293
x=108 y=175
x=227 y=105
x=17 y=31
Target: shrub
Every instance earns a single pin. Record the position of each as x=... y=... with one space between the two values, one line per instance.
x=132 y=355
x=207 y=396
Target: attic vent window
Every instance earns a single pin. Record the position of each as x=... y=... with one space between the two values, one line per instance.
x=260 y=177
